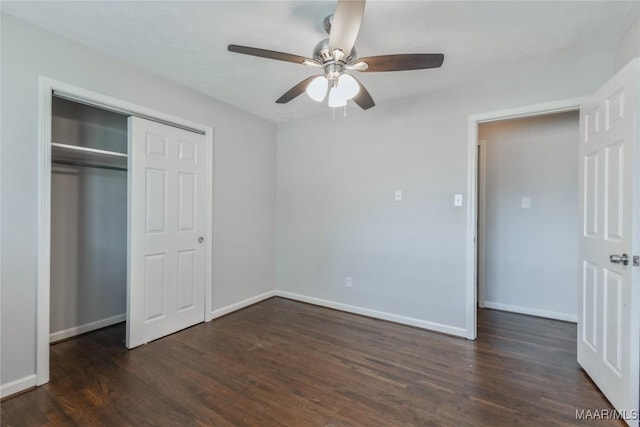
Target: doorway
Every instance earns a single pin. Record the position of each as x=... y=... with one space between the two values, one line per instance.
x=472 y=188
x=527 y=205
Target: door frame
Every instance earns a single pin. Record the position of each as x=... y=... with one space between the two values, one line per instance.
x=481 y=220
x=46 y=89
x=474 y=120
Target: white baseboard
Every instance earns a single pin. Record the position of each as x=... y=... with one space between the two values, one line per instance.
x=17 y=386
x=424 y=324
x=87 y=327
x=241 y=304
x=532 y=311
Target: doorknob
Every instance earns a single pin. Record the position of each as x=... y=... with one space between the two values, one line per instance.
x=200 y=239
x=619 y=259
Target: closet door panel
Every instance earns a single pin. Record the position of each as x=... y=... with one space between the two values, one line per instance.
x=156 y=200
x=167 y=254
x=187 y=201
x=154 y=285
x=186 y=280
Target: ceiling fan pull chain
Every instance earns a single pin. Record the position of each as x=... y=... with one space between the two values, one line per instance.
x=344 y=114
x=334 y=113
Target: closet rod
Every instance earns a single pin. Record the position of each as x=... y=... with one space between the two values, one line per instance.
x=87 y=149
x=88 y=165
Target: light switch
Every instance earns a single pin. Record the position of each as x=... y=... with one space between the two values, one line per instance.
x=398 y=195
x=525 y=203
x=457 y=200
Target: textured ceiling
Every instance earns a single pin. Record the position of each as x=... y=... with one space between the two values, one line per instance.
x=186 y=41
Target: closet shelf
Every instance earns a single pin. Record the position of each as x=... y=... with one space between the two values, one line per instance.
x=84 y=156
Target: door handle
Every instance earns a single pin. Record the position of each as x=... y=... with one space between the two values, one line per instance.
x=200 y=239
x=619 y=259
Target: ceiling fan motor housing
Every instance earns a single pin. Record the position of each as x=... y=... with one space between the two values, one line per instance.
x=323 y=55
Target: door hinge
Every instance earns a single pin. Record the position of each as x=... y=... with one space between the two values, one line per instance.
x=636 y=261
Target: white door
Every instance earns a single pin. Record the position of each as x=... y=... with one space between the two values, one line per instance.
x=608 y=318
x=166 y=289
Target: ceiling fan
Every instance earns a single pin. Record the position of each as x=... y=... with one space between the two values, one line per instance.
x=337 y=55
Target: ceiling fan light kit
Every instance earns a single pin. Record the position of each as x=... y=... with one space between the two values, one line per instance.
x=342 y=89
x=336 y=99
x=317 y=89
x=348 y=86
x=329 y=54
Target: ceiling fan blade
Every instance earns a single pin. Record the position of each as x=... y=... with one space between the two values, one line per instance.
x=363 y=98
x=346 y=24
x=401 y=62
x=295 y=91
x=271 y=54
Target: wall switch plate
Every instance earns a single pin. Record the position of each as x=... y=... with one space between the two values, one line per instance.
x=457 y=200
x=525 y=203
x=398 y=195
x=347 y=282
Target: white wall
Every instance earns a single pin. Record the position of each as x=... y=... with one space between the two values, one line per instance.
x=531 y=253
x=336 y=179
x=628 y=47
x=244 y=176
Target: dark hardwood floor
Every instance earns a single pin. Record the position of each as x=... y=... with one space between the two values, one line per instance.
x=281 y=362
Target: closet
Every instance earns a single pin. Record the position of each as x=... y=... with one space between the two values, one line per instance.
x=130 y=208
x=88 y=277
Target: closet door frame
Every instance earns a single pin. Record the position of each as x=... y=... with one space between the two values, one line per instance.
x=47 y=88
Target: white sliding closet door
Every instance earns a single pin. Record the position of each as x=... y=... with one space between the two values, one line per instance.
x=167 y=226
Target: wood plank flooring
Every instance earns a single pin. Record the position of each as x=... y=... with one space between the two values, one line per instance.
x=282 y=362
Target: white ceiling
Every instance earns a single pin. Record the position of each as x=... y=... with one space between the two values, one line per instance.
x=186 y=41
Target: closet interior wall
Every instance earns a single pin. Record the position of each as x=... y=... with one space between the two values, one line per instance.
x=88 y=220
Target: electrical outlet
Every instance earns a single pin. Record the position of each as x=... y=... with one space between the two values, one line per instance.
x=398 y=195
x=347 y=282
x=457 y=200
